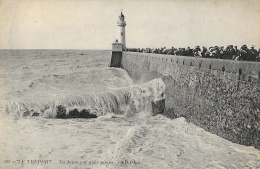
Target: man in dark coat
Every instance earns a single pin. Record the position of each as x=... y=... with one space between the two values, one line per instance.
x=253 y=54
x=236 y=53
x=189 y=51
x=244 y=53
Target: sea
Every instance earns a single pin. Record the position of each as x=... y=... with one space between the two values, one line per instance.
x=68 y=109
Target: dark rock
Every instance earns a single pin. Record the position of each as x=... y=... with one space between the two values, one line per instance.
x=74 y=113
x=27 y=113
x=35 y=114
x=61 y=112
x=170 y=114
x=86 y=114
x=158 y=107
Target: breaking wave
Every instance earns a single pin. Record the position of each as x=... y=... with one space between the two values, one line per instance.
x=125 y=101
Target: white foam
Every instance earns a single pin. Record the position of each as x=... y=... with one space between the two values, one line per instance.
x=128 y=101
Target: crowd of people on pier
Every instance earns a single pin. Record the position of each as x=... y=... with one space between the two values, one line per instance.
x=219 y=52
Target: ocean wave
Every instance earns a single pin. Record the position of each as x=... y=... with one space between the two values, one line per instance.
x=127 y=101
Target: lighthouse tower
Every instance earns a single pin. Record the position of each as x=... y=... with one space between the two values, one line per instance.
x=119 y=47
x=121 y=23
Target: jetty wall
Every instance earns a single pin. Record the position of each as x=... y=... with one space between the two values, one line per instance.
x=221 y=96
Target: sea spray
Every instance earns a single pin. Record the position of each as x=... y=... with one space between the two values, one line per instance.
x=128 y=100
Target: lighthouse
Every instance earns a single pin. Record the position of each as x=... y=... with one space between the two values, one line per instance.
x=121 y=23
x=119 y=46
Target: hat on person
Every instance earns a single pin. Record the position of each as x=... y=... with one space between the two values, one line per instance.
x=244 y=46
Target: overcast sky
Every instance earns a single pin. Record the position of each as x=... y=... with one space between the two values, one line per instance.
x=91 y=24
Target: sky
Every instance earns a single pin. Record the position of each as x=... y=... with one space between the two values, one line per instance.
x=91 y=24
